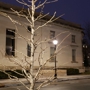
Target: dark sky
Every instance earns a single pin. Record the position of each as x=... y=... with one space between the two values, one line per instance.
x=77 y=11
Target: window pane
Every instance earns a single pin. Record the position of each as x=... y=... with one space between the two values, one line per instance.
x=28 y=50
x=10 y=42
x=73 y=38
x=52 y=34
x=9 y=50
x=73 y=55
x=10 y=32
x=52 y=51
x=29 y=28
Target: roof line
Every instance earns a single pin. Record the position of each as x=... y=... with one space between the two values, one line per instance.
x=60 y=20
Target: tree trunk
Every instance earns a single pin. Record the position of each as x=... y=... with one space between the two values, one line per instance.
x=32 y=47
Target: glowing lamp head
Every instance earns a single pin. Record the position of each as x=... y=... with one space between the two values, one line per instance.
x=55 y=42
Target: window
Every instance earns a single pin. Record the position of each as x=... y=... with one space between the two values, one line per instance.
x=28 y=50
x=84 y=46
x=52 y=51
x=29 y=28
x=73 y=55
x=52 y=34
x=73 y=38
x=10 y=42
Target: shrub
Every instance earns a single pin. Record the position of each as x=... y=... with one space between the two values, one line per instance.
x=5 y=76
x=72 y=71
x=15 y=74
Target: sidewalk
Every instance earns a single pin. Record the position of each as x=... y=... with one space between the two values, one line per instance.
x=8 y=82
x=73 y=77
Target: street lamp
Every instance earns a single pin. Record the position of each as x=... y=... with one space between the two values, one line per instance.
x=55 y=42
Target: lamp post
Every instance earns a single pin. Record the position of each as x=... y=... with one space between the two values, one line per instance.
x=55 y=42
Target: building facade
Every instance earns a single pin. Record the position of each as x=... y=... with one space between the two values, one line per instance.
x=13 y=42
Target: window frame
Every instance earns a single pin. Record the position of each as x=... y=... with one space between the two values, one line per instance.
x=73 y=55
x=52 y=53
x=73 y=38
x=29 y=28
x=28 y=50
x=52 y=34
x=10 y=44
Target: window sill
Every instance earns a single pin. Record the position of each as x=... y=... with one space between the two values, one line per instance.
x=74 y=62
x=74 y=45
x=53 y=61
x=10 y=56
x=50 y=42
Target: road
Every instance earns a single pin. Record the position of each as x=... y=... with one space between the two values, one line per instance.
x=65 y=85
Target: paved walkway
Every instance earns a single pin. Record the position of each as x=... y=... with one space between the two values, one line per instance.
x=74 y=77
x=8 y=82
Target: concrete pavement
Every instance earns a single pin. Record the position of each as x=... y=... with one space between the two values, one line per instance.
x=8 y=82
x=73 y=77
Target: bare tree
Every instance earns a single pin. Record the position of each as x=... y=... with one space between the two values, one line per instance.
x=87 y=32
x=32 y=18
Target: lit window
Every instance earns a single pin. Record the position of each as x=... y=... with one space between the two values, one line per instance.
x=83 y=46
x=10 y=42
x=88 y=57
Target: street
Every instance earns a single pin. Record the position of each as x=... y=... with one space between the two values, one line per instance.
x=64 y=85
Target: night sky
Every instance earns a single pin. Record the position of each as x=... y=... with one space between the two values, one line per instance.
x=77 y=11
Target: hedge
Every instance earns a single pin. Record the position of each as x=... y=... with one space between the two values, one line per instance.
x=5 y=76
x=72 y=71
